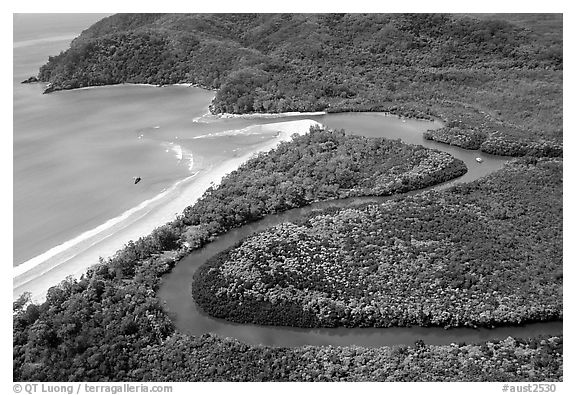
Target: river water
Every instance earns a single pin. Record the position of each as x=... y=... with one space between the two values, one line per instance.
x=75 y=153
x=175 y=291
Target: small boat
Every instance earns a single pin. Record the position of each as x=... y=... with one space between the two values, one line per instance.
x=137 y=180
x=479 y=160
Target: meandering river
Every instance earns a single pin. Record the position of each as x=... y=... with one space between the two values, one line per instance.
x=91 y=142
x=175 y=291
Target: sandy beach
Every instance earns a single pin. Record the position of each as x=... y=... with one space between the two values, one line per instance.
x=269 y=115
x=73 y=257
x=209 y=117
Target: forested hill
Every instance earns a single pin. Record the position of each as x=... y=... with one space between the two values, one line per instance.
x=482 y=74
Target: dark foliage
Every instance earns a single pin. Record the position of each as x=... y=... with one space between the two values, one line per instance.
x=486 y=253
x=478 y=75
x=109 y=325
x=320 y=165
x=493 y=143
x=204 y=288
x=503 y=76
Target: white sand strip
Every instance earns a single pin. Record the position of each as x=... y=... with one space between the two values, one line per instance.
x=209 y=117
x=37 y=276
x=270 y=115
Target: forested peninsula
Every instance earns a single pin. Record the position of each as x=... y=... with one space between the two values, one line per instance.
x=497 y=85
x=110 y=324
x=486 y=253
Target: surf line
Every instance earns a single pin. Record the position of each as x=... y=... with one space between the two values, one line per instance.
x=67 y=245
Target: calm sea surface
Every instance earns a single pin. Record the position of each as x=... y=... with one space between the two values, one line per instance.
x=76 y=153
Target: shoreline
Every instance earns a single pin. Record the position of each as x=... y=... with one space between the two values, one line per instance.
x=269 y=115
x=253 y=115
x=183 y=85
x=209 y=117
x=42 y=40
x=75 y=256
x=48 y=88
x=208 y=114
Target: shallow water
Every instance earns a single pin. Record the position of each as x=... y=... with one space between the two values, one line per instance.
x=76 y=152
x=175 y=291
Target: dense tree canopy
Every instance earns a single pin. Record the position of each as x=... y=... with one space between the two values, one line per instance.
x=320 y=165
x=496 y=82
x=482 y=254
x=110 y=325
x=487 y=74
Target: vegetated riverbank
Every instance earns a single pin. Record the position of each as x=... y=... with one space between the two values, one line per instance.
x=472 y=255
x=73 y=257
x=188 y=317
x=483 y=75
x=320 y=165
x=110 y=325
x=212 y=358
x=494 y=143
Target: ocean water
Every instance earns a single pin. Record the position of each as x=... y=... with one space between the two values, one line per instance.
x=77 y=152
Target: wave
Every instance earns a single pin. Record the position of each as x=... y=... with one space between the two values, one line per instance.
x=202 y=118
x=190 y=158
x=271 y=129
x=39 y=273
x=247 y=131
x=178 y=151
x=67 y=245
x=209 y=117
x=75 y=254
x=28 y=43
x=181 y=154
x=271 y=115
